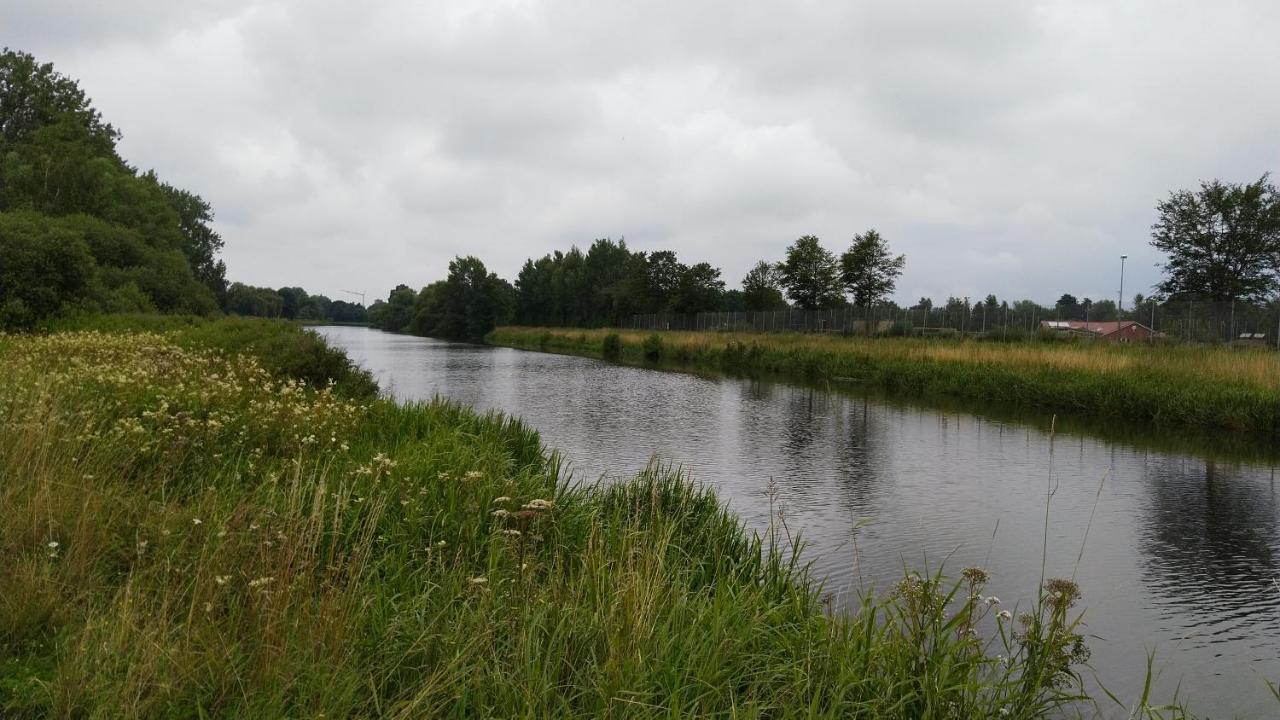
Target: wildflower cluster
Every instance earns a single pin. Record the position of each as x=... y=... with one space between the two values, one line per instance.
x=159 y=400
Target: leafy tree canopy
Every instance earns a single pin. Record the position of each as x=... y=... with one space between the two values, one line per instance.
x=810 y=274
x=868 y=270
x=150 y=245
x=1222 y=242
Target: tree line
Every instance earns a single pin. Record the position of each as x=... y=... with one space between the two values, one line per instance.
x=609 y=283
x=291 y=303
x=81 y=229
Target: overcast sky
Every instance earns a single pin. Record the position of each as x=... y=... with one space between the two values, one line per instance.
x=1011 y=147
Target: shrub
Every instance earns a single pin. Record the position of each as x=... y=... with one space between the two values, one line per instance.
x=611 y=349
x=653 y=348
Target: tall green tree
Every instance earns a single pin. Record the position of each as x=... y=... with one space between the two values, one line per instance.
x=1222 y=242
x=869 y=270
x=761 y=288
x=33 y=96
x=200 y=242
x=810 y=274
x=1068 y=307
x=662 y=274
x=151 y=244
x=699 y=289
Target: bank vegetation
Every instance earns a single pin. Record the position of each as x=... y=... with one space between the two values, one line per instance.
x=1208 y=387
x=190 y=529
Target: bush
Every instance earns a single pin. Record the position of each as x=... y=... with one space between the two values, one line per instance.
x=653 y=348
x=611 y=349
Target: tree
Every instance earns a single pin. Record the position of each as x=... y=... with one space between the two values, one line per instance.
x=810 y=274
x=662 y=273
x=1068 y=307
x=761 y=288
x=868 y=270
x=151 y=244
x=397 y=312
x=201 y=243
x=698 y=290
x=33 y=96
x=44 y=267
x=1222 y=242
x=464 y=306
x=1103 y=311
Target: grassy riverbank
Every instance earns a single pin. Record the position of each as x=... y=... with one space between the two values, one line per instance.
x=190 y=530
x=1204 y=387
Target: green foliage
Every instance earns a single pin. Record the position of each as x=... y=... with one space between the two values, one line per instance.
x=395 y=313
x=610 y=283
x=466 y=305
x=611 y=347
x=284 y=349
x=652 y=348
x=150 y=245
x=811 y=275
x=761 y=288
x=698 y=288
x=1222 y=242
x=348 y=559
x=1188 y=386
x=45 y=268
x=868 y=270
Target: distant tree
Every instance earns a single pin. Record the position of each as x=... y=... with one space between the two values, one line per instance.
x=609 y=268
x=869 y=270
x=1103 y=311
x=810 y=274
x=1068 y=307
x=293 y=298
x=535 y=299
x=761 y=289
x=662 y=273
x=397 y=312
x=698 y=289
x=957 y=312
x=469 y=303
x=732 y=301
x=1222 y=242
x=343 y=311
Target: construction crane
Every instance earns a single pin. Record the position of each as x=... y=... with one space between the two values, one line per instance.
x=357 y=294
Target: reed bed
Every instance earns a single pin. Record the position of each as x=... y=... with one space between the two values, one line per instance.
x=188 y=532
x=1205 y=387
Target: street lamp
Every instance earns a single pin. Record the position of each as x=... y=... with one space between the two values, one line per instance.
x=1121 y=307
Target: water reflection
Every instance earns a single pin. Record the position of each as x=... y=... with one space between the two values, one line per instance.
x=1210 y=534
x=1175 y=553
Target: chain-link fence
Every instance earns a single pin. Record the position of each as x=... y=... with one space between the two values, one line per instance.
x=1192 y=321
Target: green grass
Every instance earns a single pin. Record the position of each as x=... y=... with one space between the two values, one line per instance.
x=1163 y=385
x=188 y=531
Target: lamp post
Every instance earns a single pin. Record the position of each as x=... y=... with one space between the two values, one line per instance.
x=1120 y=309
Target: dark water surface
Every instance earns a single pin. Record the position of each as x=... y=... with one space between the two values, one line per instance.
x=1182 y=558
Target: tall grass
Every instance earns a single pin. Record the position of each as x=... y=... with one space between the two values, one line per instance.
x=1235 y=389
x=186 y=533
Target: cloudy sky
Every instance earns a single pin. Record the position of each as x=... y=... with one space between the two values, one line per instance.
x=1015 y=147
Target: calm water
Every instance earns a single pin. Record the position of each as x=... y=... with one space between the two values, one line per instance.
x=1183 y=556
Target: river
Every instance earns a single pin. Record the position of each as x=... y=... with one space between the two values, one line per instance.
x=1176 y=553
